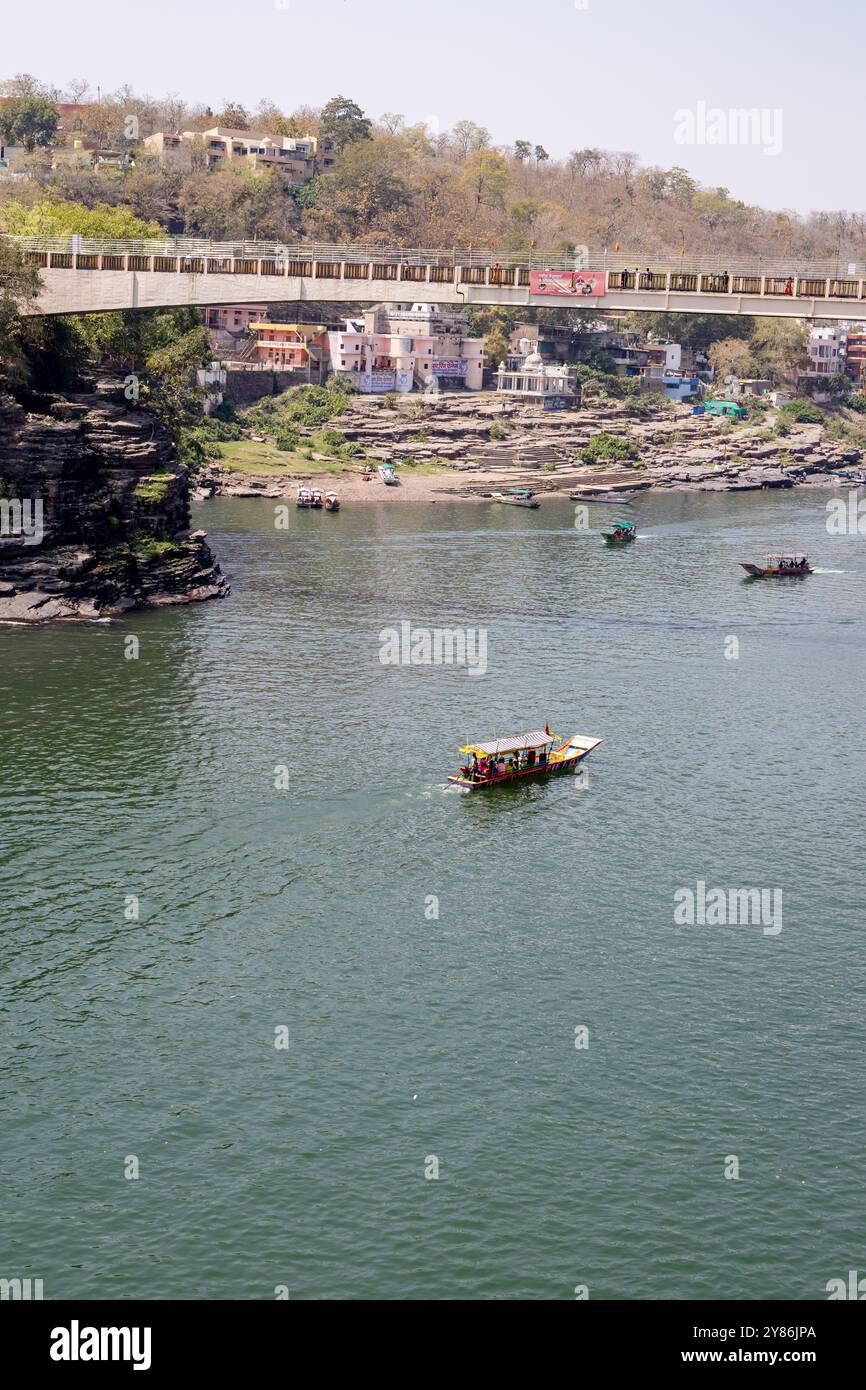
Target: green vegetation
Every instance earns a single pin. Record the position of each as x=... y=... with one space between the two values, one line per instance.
x=803 y=412
x=153 y=489
x=604 y=448
x=28 y=120
x=55 y=217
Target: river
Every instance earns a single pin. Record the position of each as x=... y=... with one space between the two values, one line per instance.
x=248 y=1013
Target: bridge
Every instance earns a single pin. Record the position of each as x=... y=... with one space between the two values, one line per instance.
x=80 y=275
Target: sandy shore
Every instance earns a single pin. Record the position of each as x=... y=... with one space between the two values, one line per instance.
x=448 y=486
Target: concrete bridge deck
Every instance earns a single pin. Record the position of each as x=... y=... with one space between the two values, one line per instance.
x=88 y=276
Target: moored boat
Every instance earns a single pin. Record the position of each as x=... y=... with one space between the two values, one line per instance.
x=622 y=533
x=387 y=474
x=517 y=497
x=317 y=500
x=610 y=499
x=522 y=755
x=305 y=497
x=780 y=566
x=332 y=502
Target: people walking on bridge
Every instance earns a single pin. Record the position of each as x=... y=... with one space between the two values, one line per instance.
x=496 y=274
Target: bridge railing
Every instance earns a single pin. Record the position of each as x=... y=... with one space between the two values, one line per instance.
x=713 y=274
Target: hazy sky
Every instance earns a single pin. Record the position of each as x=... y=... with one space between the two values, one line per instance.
x=564 y=73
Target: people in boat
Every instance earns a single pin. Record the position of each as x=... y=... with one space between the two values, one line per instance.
x=500 y=766
x=530 y=758
x=542 y=756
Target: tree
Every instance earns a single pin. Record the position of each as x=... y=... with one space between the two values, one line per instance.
x=170 y=390
x=30 y=121
x=540 y=154
x=19 y=285
x=732 y=357
x=468 y=136
x=366 y=190
x=522 y=150
x=55 y=218
x=692 y=330
x=485 y=177
x=343 y=122
x=392 y=121
x=233 y=116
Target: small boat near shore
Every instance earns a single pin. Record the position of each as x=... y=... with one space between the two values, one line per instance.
x=522 y=755
x=387 y=474
x=608 y=499
x=779 y=566
x=517 y=497
x=622 y=533
x=317 y=498
x=305 y=497
x=332 y=502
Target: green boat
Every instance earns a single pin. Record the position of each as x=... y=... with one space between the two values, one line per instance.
x=622 y=533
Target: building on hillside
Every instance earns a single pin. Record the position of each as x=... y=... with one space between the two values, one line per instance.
x=677 y=386
x=527 y=374
x=855 y=356
x=827 y=351
x=292 y=347
x=398 y=347
x=228 y=324
x=222 y=146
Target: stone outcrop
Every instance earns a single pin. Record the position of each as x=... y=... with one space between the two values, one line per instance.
x=507 y=441
x=94 y=512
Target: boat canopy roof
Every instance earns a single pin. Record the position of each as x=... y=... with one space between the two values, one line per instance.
x=786 y=555
x=519 y=491
x=625 y=525
x=512 y=744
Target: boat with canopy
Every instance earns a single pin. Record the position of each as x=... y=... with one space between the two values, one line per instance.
x=517 y=497
x=520 y=755
x=780 y=566
x=622 y=533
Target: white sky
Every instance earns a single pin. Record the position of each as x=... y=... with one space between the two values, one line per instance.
x=563 y=73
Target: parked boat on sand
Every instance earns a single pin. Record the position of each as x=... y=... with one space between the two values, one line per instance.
x=387 y=474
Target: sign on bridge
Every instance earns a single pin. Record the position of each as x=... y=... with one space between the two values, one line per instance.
x=569 y=284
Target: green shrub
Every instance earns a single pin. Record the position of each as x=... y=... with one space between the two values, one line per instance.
x=603 y=447
x=804 y=412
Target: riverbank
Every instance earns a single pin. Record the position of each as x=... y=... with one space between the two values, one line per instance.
x=468 y=446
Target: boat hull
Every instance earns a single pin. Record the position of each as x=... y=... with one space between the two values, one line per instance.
x=758 y=572
x=610 y=539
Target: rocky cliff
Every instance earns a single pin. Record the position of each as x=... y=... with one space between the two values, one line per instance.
x=94 y=512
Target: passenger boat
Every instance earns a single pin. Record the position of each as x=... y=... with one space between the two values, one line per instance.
x=780 y=566
x=517 y=497
x=305 y=497
x=317 y=498
x=332 y=502
x=622 y=533
x=522 y=755
x=387 y=474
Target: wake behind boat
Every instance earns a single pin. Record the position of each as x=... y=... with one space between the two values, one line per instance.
x=521 y=755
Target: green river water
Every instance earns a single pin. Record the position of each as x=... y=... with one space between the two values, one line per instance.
x=424 y=1032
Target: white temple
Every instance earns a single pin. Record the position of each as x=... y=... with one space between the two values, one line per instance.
x=527 y=375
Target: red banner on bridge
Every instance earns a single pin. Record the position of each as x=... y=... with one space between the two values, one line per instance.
x=573 y=284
